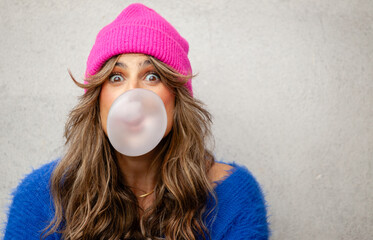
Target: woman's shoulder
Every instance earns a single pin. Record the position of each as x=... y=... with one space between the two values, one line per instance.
x=234 y=183
x=34 y=186
x=219 y=172
x=37 y=177
x=240 y=208
x=228 y=175
x=31 y=205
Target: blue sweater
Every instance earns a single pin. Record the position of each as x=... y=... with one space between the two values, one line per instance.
x=240 y=213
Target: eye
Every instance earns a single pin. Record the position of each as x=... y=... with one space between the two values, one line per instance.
x=152 y=77
x=114 y=78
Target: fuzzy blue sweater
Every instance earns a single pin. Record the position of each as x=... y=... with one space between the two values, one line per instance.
x=240 y=213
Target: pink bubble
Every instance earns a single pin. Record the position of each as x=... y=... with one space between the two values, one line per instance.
x=136 y=122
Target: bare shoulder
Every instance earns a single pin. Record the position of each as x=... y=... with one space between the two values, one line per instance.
x=218 y=172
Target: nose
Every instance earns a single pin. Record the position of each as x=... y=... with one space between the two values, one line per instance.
x=132 y=84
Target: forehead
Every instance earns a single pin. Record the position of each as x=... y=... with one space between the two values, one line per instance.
x=134 y=61
x=133 y=58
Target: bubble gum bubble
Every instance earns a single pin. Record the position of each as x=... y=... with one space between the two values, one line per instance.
x=136 y=122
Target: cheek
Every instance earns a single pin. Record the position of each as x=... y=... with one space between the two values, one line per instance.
x=107 y=98
x=169 y=102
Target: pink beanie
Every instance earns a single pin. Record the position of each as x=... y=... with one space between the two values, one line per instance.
x=139 y=29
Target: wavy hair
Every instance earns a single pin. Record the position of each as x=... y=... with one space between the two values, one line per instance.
x=90 y=197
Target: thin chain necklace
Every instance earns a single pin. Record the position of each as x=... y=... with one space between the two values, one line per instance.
x=146 y=194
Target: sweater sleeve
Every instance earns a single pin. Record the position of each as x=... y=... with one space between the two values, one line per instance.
x=30 y=210
x=242 y=210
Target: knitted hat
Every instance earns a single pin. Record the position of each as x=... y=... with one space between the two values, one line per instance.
x=139 y=29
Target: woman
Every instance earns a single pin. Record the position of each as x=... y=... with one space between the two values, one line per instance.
x=175 y=191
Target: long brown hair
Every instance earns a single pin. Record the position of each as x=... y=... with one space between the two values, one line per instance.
x=91 y=199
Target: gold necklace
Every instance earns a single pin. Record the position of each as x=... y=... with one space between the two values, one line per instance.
x=146 y=194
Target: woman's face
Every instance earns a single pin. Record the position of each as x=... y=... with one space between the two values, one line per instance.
x=134 y=71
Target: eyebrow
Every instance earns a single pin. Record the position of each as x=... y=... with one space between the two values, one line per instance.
x=141 y=65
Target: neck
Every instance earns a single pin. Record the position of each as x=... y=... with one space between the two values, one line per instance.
x=140 y=173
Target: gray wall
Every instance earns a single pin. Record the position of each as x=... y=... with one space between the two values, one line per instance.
x=290 y=85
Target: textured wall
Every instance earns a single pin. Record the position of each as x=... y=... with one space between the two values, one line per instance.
x=290 y=85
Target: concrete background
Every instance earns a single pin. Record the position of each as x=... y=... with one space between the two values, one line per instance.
x=290 y=85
